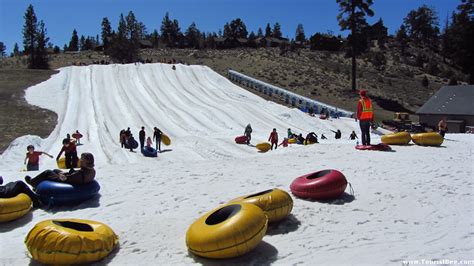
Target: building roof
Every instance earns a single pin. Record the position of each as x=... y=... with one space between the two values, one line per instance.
x=450 y=100
x=145 y=43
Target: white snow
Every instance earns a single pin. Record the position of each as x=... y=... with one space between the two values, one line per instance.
x=410 y=204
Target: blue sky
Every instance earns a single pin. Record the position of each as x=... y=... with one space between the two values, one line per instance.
x=62 y=16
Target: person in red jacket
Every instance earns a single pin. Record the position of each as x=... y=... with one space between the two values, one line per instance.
x=274 y=138
x=365 y=115
x=70 y=152
x=33 y=158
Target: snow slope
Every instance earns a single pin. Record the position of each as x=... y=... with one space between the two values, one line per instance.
x=412 y=203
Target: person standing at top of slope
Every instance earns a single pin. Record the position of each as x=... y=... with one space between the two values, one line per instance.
x=273 y=138
x=141 y=137
x=248 y=133
x=33 y=158
x=365 y=115
x=157 y=137
x=70 y=152
x=442 y=127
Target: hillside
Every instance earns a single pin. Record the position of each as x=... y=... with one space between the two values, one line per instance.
x=401 y=210
x=392 y=80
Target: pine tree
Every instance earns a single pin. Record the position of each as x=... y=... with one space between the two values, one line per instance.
x=276 y=33
x=82 y=43
x=259 y=33
x=41 y=53
x=193 y=36
x=268 y=31
x=16 y=50
x=422 y=26
x=29 y=31
x=352 y=17
x=106 y=33
x=74 y=42
x=402 y=39
x=155 y=38
x=124 y=47
x=2 y=49
x=299 y=35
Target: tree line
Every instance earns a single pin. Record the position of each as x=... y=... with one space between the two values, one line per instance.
x=419 y=28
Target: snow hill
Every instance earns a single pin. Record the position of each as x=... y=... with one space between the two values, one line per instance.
x=410 y=204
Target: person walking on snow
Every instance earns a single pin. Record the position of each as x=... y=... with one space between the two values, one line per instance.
x=33 y=158
x=157 y=137
x=273 y=138
x=141 y=137
x=248 y=133
x=365 y=115
x=70 y=152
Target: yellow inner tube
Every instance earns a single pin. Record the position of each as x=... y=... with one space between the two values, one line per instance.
x=428 y=139
x=264 y=146
x=14 y=208
x=292 y=140
x=275 y=203
x=165 y=139
x=229 y=231
x=62 y=163
x=70 y=241
x=400 y=138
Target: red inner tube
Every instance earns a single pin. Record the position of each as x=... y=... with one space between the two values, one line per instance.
x=321 y=185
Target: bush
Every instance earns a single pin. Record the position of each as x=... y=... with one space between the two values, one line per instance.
x=425 y=82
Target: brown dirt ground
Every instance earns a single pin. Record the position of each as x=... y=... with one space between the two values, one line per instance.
x=17 y=118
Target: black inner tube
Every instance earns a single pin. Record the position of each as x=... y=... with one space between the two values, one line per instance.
x=76 y=226
x=318 y=174
x=259 y=193
x=223 y=214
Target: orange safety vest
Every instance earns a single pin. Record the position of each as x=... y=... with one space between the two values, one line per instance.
x=367 y=111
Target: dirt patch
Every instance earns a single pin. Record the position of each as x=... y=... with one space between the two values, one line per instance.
x=17 y=117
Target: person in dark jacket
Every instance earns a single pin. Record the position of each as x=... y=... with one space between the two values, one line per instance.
x=300 y=139
x=141 y=137
x=157 y=137
x=311 y=138
x=84 y=175
x=123 y=138
x=70 y=152
x=12 y=189
x=248 y=133
x=323 y=137
x=353 y=135
x=337 y=134
x=130 y=142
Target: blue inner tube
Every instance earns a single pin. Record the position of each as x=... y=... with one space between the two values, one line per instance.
x=57 y=193
x=149 y=152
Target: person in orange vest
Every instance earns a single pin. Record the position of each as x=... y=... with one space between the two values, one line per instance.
x=365 y=115
x=274 y=138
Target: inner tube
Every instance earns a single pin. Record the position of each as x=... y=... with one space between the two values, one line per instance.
x=241 y=140
x=14 y=208
x=275 y=203
x=378 y=147
x=58 y=193
x=149 y=152
x=165 y=139
x=400 y=138
x=62 y=163
x=228 y=231
x=428 y=139
x=70 y=241
x=264 y=146
x=321 y=185
x=292 y=140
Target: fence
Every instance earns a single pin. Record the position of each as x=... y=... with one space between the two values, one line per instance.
x=303 y=103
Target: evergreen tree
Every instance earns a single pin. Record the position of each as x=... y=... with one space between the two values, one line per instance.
x=56 y=49
x=268 y=31
x=29 y=31
x=2 y=49
x=259 y=33
x=402 y=39
x=74 y=42
x=236 y=29
x=193 y=36
x=299 y=35
x=252 y=36
x=154 y=38
x=227 y=32
x=276 y=33
x=352 y=17
x=170 y=31
x=422 y=26
x=82 y=43
x=124 y=48
x=41 y=53
x=106 y=33
x=16 y=50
